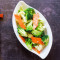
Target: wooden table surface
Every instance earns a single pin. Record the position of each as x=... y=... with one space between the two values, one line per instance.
x=11 y=49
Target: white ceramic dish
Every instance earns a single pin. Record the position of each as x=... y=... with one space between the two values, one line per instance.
x=46 y=51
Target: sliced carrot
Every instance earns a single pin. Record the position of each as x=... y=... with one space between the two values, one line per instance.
x=1 y=15
x=37 y=40
x=22 y=38
x=35 y=20
x=19 y=20
x=36 y=50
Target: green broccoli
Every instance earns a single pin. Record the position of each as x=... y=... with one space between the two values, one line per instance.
x=36 y=33
x=29 y=26
x=42 y=34
x=28 y=42
x=29 y=16
x=34 y=45
x=29 y=13
x=22 y=32
x=45 y=39
x=40 y=27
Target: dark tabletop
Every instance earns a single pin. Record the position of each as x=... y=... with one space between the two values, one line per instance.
x=11 y=49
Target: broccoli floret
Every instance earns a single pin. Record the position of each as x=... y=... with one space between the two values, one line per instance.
x=29 y=13
x=42 y=34
x=29 y=10
x=22 y=32
x=45 y=39
x=40 y=27
x=36 y=33
x=34 y=45
x=29 y=16
x=29 y=26
x=28 y=42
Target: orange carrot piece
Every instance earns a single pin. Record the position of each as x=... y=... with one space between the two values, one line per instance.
x=35 y=20
x=1 y=15
x=37 y=40
x=22 y=38
x=19 y=20
x=36 y=50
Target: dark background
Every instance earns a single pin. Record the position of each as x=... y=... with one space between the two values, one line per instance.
x=11 y=49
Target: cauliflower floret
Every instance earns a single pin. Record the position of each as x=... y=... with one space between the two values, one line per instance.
x=22 y=13
x=39 y=47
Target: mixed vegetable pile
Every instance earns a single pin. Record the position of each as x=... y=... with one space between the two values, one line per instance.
x=31 y=29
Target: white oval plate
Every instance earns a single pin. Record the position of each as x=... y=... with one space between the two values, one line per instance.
x=46 y=51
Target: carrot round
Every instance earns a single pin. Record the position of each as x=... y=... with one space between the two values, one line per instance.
x=1 y=15
x=36 y=50
x=35 y=20
x=22 y=38
x=37 y=40
x=19 y=20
